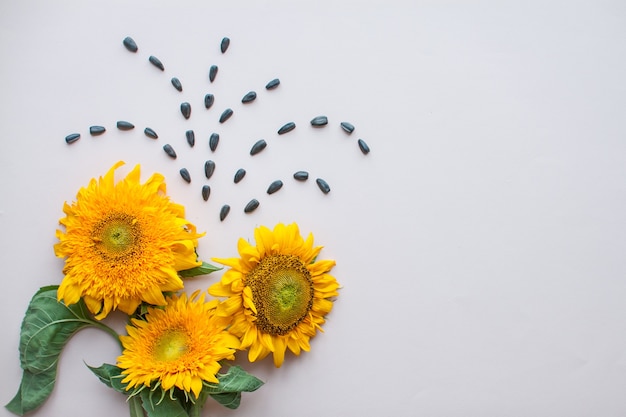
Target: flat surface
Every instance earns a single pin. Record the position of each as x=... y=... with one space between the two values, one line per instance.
x=480 y=244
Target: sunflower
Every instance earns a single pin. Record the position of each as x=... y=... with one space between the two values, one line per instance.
x=124 y=243
x=278 y=293
x=177 y=346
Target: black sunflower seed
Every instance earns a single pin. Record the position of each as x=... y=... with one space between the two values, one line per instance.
x=206 y=192
x=251 y=206
x=72 y=138
x=251 y=96
x=319 y=121
x=239 y=175
x=287 y=127
x=122 y=125
x=209 y=168
x=130 y=44
x=185 y=109
x=224 y=45
x=226 y=115
x=185 y=174
x=212 y=72
x=348 y=127
x=176 y=83
x=209 y=99
x=301 y=175
x=169 y=150
x=96 y=130
x=275 y=186
x=363 y=146
x=258 y=147
x=224 y=212
x=323 y=185
x=191 y=137
x=156 y=62
x=213 y=141
x=273 y=84
x=150 y=133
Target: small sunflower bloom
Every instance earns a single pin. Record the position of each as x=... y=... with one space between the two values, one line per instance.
x=278 y=294
x=124 y=243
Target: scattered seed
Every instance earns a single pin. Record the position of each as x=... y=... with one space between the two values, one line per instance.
x=239 y=175
x=348 y=127
x=213 y=141
x=319 y=121
x=258 y=147
x=273 y=84
x=130 y=44
x=185 y=109
x=191 y=137
x=212 y=72
x=122 y=125
x=209 y=99
x=96 y=130
x=72 y=138
x=226 y=115
x=169 y=150
x=323 y=185
x=224 y=45
x=251 y=206
x=206 y=192
x=249 y=97
x=209 y=168
x=156 y=62
x=275 y=186
x=363 y=146
x=185 y=174
x=150 y=133
x=176 y=83
x=287 y=127
x=224 y=212
x=301 y=175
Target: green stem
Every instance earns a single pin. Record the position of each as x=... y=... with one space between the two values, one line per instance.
x=136 y=410
x=110 y=331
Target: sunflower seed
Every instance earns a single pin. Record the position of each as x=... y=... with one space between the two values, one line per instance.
x=251 y=206
x=72 y=138
x=301 y=175
x=209 y=99
x=287 y=127
x=224 y=212
x=150 y=133
x=226 y=115
x=206 y=192
x=249 y=97
x=212 y=72
x=273 y=84
x=191 y=137
x=185 y=109
x=156 y=62
x=213 y=141
x=323 y=185
x=185 y=174
x=169 y=150
x=209 y=168
x=224 y=45
x=258 y=147
x=363 y=146
x=319 y=121
x=176 y=83
x=130 y=44
x=122 y=125
x=275 y=186
x=239 y=175
x=96 y=130
x=348 y=127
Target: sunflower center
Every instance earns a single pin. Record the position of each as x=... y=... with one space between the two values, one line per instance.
x=282 y=292
x=170 y=346
x=116 y=236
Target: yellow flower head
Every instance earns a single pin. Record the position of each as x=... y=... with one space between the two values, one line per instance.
x=124 y=244
x=177 y=346
x=278 y=293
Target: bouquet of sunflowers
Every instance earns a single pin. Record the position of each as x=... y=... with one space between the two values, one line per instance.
x=128 y=248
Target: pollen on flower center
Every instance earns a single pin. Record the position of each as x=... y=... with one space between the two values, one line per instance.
x=170 y=346
x=282 y=291
x=116 y=236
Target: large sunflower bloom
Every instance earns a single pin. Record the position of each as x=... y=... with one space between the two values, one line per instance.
x=177 y=346
x=278 y=293
x=124 y=244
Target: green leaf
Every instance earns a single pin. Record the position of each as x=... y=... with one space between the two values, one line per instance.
x=231 y=384
x=203 y=269
x=228 y=399
x=110 y=375
x=162 y=406
x=46 y=328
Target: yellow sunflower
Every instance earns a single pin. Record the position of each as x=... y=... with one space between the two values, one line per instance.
x=278 y=293
x=177 y=346
x=124 y=243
